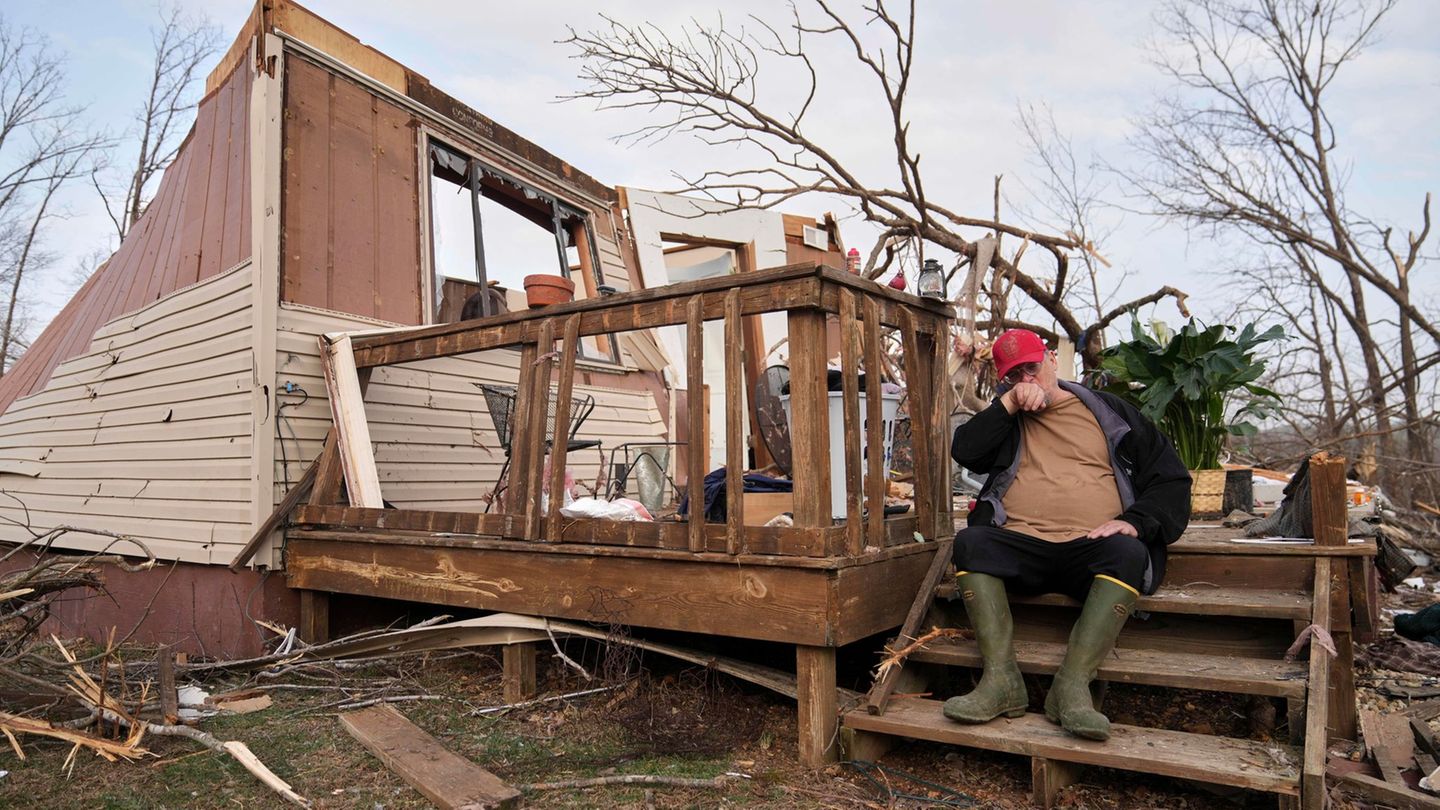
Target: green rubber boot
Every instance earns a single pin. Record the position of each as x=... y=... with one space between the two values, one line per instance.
x=1001 y=689
x=1106 y=609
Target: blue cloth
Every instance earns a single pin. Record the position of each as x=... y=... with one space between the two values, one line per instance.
x=715 y=509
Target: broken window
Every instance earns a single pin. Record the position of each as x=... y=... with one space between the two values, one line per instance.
x=490 y=230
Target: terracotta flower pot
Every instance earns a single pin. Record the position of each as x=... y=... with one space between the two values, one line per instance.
x=543 y=290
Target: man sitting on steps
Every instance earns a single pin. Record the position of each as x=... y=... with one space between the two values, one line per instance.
x=1083 y=497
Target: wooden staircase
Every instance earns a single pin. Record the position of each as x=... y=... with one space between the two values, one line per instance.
x=1222 y=623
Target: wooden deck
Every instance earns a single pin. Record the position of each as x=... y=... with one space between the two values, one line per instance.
x=818 y=584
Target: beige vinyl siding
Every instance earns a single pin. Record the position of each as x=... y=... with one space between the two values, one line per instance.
x=147 y=433
x=434 y=441
x=612 y=265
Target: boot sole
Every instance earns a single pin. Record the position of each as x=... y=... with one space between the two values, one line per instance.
x=1009 y=713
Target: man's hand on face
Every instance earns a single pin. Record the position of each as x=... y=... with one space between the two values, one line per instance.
x=1025 y=396
x=1113 y=527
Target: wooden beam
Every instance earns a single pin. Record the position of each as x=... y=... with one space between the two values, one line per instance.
x=1382 y=793
x=291 y=500
x=1317 y=738
x=941 y=394
x=850 y=427
x=809 y=419
x=1050 y=776
x=347 y=410
x=734 y=430
x=446 y=779
x=559 y=452
x=517 y=678
x=879 y=696
x=695 y=418
x=819 y=722
x=874 y=435
x=773 y=290
x=328 y=473
x=917 y=398
x=518 y=489
x=314 y=616
x=766 y=291
x=539 y=395
x=1328 y=509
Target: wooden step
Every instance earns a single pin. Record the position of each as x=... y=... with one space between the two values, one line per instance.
x=1217 y=673
x=1270 y=767
x=1193 y=599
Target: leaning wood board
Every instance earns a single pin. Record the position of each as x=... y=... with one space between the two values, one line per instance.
x=445 y=778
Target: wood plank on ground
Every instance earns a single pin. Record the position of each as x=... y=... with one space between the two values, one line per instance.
x=1218 y=673
x=1390 y=742
x=1205 y=758
x=447 y=779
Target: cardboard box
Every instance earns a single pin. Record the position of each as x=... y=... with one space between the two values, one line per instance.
x=761 y=506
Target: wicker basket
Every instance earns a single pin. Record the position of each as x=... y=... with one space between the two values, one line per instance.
x=1207 y=493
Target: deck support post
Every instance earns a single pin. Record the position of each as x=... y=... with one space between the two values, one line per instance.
x=819 y=716
x=1050 y=776
x=314 y=616
x=518 y=672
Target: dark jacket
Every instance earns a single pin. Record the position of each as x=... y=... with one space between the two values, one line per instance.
x=1154 y=485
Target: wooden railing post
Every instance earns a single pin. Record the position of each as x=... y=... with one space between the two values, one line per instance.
x=874 y=426
x=559 y=451
x=695 y=410
x=539 y=395
x=918 y=359
x=809 y=419
x=1329 y=514
x=734 y=413
x=850 y=379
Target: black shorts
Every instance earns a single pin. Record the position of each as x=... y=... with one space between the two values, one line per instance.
x=1030 y=565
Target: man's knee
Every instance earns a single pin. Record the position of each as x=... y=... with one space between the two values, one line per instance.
x=965 y=541
x=1128 y=557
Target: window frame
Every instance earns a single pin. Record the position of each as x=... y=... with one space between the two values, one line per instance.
x=571 y=226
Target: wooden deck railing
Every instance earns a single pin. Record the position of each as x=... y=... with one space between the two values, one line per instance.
x=809 y=295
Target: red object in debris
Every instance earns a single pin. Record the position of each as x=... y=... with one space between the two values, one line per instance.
x=853 y=259
x=898 y=282
x=970 y=507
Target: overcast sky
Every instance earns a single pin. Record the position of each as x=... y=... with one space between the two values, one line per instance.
x=975 y=64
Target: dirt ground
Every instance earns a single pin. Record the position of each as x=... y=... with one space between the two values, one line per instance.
x=654 y=717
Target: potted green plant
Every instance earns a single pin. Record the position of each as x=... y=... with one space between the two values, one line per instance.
x=1198 y=384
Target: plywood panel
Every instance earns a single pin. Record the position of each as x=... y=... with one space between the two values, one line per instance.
x=351 y=276
x=305 y=226
x=350 y=232
x=397 y=232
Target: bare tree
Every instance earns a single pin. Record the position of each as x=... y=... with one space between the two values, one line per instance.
x=1246 y=145
x=181 y=46
x=42 y=147
x=705 y=81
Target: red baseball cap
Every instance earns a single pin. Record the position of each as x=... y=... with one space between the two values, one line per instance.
x=1015 y=347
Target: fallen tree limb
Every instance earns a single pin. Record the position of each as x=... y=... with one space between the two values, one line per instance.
x=629 y=779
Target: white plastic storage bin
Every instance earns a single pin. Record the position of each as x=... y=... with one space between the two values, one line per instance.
x=889 y=409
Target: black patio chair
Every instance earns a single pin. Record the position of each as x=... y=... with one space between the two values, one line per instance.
x=501 y=401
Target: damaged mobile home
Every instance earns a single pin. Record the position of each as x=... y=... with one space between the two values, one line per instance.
x=311 y=373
